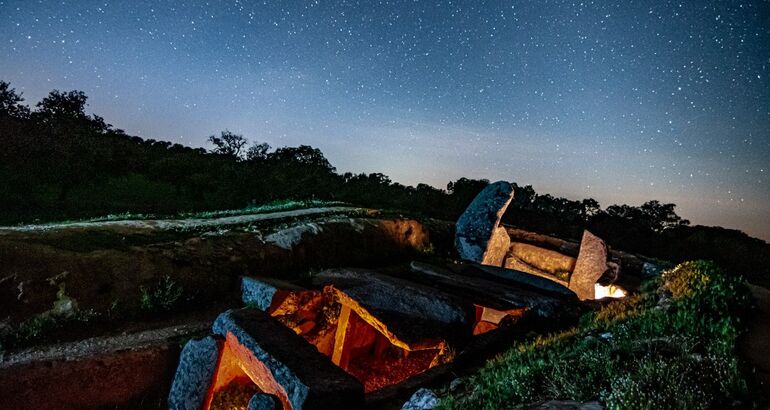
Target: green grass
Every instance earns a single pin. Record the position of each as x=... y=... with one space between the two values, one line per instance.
x=672 y=346
x=163 y=297
x=40 y=327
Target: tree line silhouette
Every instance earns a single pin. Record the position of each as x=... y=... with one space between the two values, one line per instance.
x=58 y=162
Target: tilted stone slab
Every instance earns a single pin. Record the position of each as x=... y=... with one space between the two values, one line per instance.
x=477 y=237
x=301 y=377
x=521 y=279
x=411 y=311
x=491 y=293
x=590 y=266
x=197 y=365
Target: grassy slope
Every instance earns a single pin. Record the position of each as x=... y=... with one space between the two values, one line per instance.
x=673 y=346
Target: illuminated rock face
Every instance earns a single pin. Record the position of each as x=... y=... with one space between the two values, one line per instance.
x=540 y=261
x=590 y=266
x=283 y=364
x=478 y=237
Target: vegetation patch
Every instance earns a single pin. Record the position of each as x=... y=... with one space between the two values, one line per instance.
x=672 y=346
x=163 y=297
x=40 y=327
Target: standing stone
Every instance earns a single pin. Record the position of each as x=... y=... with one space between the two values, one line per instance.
x=197 y=365
x=478 y=236
x=590 y=266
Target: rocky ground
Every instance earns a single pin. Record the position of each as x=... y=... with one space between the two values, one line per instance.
x=127 y=294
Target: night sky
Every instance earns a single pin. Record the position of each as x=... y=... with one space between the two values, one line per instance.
x=623 y=102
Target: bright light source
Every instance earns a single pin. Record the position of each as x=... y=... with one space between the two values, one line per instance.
x=610 y=291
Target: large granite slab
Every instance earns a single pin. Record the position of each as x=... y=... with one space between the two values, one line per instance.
x=489 y=292
x=411 y=311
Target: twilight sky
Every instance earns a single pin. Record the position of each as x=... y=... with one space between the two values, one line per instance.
x=619 y=101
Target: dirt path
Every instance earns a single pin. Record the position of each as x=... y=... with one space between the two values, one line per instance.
x=192 y=223
x=756 y=345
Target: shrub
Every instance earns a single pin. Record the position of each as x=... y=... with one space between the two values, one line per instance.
x=162 y=298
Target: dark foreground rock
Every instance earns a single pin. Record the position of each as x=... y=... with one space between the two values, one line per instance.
x=478 y=237
x=85 y=375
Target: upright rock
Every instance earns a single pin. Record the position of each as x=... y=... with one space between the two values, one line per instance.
x=590 y=265
x=197 y=365
x=478 y=236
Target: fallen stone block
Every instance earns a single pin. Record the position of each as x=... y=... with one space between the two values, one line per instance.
x=479 y=288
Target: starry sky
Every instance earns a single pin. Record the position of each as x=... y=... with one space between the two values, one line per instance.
x=619 y=101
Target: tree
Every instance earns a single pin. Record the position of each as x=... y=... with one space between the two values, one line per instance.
x=662 y=216
x=591 y=208
x=302 y=155
x=10 y=102
x=228 y=144
x=59 y=105
x=652 y=215
x=258 y=152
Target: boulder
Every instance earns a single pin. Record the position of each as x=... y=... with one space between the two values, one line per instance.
x=422 y=399
x=590 y=265
x=478 y=237
x=197 y=365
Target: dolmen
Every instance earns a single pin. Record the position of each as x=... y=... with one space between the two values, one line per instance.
x=480 y=238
